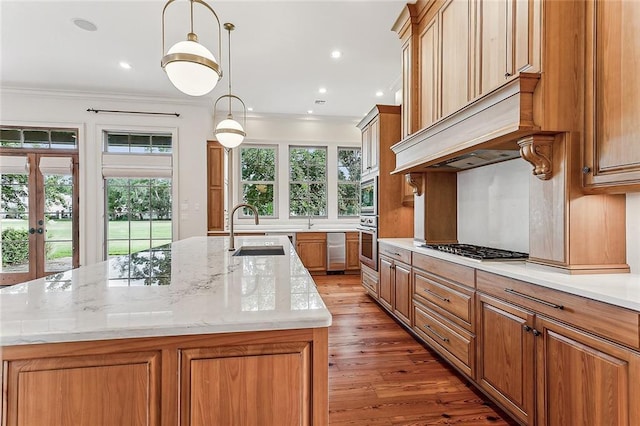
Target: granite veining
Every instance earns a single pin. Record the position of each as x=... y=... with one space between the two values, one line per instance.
x=617 y=289
x=193 y=286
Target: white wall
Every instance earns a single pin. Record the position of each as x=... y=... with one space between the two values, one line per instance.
x=493 y=205
x=193 y=128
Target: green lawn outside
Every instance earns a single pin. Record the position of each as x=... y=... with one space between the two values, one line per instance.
x=140 y=232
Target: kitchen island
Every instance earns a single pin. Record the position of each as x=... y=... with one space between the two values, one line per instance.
x=185 y=334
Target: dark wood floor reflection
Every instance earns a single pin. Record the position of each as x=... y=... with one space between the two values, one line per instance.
x=380 y=375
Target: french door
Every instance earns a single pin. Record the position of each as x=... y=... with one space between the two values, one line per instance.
x=38 y=215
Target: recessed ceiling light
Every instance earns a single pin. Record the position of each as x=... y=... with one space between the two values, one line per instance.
x=310 y=111
x=84 y=24
x=336 y=54
x=379 y=93
x=125 y=65
x=250 y=109
x=322 y=90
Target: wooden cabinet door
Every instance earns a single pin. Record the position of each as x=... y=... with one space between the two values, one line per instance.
x=455 y=51
x=402 y=292
x=493 y=44
x=247 y=385
x=215 y=186
x=585 y=380
x=508 y=41
x=429 y=89
x=353 y=251
x=612 y=147
x=374 y=149
x=312 y=250
x=366 y=151
x=385 y=285
x=313 y=255
x=506 y=355
x=119 y=389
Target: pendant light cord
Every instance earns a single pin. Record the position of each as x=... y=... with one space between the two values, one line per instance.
x=229 y=30
x=191 y=3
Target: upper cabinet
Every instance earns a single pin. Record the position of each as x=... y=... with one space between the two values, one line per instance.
x=370 y=148
x=455 y=52
x=508 y=44
x=612 y=133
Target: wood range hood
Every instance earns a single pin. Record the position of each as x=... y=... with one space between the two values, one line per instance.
x=484 y=132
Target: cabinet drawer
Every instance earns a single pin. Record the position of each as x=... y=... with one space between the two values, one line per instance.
x=451 y=271
x=450 y=341
x=370 y=280
x=456 y=300
x=396 y=253
x=611 y=322
x=311 y=236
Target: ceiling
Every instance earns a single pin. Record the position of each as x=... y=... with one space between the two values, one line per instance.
x=281 y=50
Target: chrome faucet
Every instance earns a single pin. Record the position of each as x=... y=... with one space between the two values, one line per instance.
x=309 y=224
x=233 y=210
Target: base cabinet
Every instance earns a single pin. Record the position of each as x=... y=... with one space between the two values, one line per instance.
x=583 y=379
x=245 y=385
x=352 y=251
x=506 y=355
x=257 y=378
x=312 y=250
x=395 y=289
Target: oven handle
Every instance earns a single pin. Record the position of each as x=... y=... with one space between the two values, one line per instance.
x=362 y=228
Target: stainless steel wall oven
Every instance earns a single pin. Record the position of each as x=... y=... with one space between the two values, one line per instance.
x=369 y=241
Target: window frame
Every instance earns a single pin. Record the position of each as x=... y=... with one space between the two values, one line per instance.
x=325 y=148
x=355 y=183
x=239 y=191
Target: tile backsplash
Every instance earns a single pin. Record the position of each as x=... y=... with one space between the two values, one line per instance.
x=493 y=205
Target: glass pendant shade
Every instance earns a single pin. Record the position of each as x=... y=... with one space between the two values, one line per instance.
x=229 y=133
x=192 y=68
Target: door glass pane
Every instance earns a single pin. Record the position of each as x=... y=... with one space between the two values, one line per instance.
x=14 y=220
x=58 y=226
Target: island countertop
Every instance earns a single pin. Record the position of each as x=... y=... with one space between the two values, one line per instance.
x=193 y=286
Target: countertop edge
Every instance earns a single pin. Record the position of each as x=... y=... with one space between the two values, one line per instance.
x=579 y=285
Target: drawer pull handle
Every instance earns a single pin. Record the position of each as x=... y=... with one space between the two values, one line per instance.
x=392 y=253
x=534 y=299
x=438 y=335
x=436 y=295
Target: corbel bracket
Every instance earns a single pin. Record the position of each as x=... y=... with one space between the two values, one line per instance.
x=415 y=181
x=538 y=150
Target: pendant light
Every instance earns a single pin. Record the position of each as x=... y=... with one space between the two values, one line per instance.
x=229 y=132
x=190 y=66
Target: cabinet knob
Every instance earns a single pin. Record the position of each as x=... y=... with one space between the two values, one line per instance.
x=586 y=170
x=526 y=328
x=536 y=332
x=507 y=74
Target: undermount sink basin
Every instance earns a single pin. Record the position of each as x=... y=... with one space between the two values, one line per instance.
x=259 y=251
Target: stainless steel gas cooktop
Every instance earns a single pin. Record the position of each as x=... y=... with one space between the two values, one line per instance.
x=478 y=252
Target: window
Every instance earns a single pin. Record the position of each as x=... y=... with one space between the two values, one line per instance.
x=138 y=143
x=258 y=179
x=137 y=168
x=12 y=137
x=349 y=181
x=307 y=181
x=139 y=214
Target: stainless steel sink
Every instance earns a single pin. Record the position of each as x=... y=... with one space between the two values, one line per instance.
x=259 y=251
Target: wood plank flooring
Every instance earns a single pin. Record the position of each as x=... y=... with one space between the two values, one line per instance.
x=380 y=375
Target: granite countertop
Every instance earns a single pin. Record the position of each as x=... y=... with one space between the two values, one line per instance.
x=617 y=289
x=193 y=286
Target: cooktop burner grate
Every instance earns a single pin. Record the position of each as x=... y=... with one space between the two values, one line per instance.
x=478 y=252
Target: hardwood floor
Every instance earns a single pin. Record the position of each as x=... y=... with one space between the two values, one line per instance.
x=380 y=375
